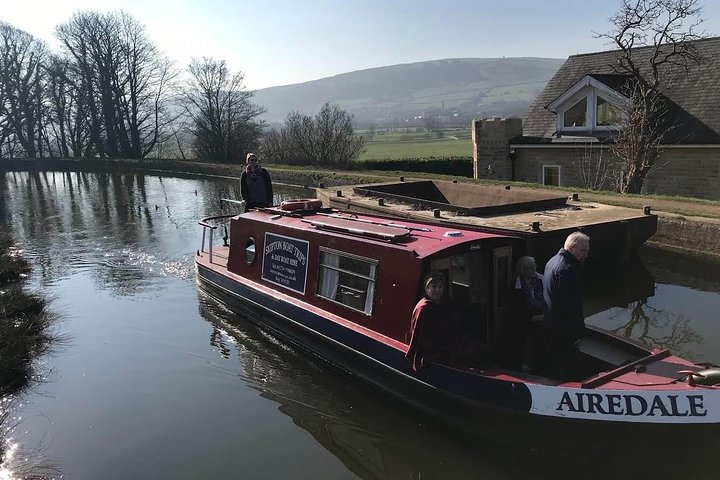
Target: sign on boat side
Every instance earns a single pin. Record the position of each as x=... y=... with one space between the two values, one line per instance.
x=677 y=406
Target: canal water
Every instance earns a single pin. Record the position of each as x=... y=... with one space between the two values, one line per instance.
x=155 y=380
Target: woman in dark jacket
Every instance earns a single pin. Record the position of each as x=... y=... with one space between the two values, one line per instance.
x=255 y=184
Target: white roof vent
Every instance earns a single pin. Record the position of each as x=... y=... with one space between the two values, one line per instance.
x=453 y=234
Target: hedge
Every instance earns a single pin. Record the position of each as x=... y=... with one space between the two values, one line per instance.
x=459 y=166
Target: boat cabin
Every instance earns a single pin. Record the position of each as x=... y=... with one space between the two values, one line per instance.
x=368 y=270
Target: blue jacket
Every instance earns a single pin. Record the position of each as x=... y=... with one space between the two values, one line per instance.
x=563 y=295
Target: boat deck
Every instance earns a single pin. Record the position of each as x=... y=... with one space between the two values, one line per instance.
x=575 y=214
x=219 y=257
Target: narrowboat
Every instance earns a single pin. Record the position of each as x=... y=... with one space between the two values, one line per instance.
x=342 y=285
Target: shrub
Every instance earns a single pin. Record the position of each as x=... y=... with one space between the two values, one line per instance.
x=458 y=166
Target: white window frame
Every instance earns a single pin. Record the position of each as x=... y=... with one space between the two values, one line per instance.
x=372 y=279
x=590 y=89
x=559 y=175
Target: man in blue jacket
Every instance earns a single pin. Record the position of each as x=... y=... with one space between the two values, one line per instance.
x=564 y=319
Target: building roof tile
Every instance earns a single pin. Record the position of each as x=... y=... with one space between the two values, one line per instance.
x=694 y=94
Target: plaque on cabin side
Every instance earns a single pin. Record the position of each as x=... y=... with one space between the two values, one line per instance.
x=285 y=262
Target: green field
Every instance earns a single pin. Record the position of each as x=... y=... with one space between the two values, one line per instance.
x=401 y=143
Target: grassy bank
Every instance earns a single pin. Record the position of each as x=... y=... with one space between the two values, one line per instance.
x=24 y=321
x=25 y=334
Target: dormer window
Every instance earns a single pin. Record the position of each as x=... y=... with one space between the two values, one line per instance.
x=588 y=106
x=575 y=116
x=607 y=114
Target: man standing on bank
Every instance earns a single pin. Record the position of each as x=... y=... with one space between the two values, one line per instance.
x=255 y=184
x=564 y=319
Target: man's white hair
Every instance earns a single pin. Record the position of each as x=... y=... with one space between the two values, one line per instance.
x=576 y=238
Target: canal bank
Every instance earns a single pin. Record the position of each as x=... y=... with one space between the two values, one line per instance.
x=684 y=224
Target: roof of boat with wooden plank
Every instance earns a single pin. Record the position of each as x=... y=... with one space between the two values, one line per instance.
x=424 y=240
x=507 y=208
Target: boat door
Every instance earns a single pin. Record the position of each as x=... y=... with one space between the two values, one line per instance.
x=502 y=278
x=468 y=288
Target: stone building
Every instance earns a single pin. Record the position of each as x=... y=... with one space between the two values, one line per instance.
x=564 y=138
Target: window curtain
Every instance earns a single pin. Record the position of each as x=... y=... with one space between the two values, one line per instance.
x=370 y=290
x=329 y=282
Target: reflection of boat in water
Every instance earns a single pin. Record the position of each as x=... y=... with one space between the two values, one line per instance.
x=373 y=441
x=343 y=287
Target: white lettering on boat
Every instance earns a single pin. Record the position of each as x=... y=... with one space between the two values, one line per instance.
x=692 y=406
x=285 y=261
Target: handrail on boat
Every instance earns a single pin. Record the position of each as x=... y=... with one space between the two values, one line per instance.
x=204 y=223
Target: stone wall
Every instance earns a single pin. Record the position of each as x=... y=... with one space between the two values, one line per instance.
x=491 y=146
x=687 y=172
x=681 y=171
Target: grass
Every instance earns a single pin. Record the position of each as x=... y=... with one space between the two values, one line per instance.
x=24 y=335
x=24 y=321
x=399 y=143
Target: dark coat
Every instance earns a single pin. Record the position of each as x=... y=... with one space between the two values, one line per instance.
x=246 y=194
x=563 y=296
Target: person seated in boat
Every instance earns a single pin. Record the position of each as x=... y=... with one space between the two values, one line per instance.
x=564 y=320
x=524 y=342
x=435 y=334
x=255 y=184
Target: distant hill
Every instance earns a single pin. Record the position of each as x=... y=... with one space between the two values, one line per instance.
x=459 y=87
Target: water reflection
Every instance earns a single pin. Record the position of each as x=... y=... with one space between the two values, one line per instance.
x=373 y=436
x=117 y=251
x=377 y=438
x=620 y=299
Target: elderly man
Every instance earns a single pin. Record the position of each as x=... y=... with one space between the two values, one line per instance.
x=564 y=319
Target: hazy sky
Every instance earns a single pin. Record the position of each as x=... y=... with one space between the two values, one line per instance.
x=278 y=42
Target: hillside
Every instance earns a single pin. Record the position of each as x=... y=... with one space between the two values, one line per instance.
x=459 y=87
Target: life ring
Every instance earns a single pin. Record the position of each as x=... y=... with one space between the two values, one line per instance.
x=301 y=204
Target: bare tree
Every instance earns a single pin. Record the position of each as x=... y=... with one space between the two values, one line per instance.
x=329 y=138
x=122 y=82
x=68 y=118
x=667 y=28
x=595 y=167
x=225 y=122
x=22 y=80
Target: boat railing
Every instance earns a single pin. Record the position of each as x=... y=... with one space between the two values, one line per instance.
x=205 y=223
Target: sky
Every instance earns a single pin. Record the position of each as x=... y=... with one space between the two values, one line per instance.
x=280 y=42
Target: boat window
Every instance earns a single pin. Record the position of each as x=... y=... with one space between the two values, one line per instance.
x=250 y=251
x=347 y=279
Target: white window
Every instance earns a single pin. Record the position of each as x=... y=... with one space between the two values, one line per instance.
x=551 y=175
x=589 y=106
x=347 y=279
x=606 y=114
x=575 y=116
